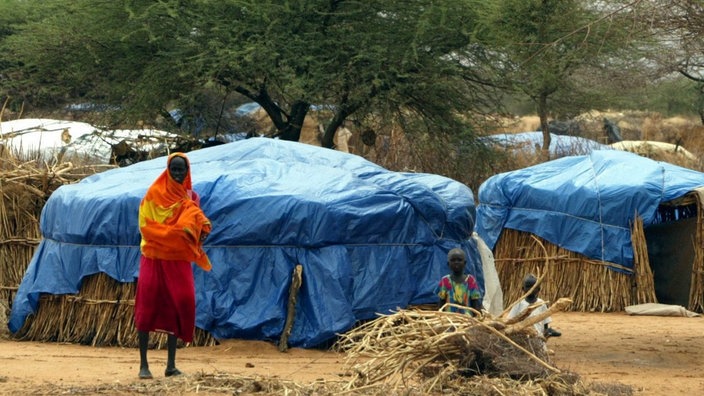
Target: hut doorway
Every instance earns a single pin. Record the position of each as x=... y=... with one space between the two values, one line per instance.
x=671 y=254
x=674 y=251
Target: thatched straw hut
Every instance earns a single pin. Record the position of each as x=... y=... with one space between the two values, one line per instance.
x=366 y=240
x=608 y=230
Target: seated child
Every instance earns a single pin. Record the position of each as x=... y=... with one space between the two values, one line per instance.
x=543 y=326
x=457 y=287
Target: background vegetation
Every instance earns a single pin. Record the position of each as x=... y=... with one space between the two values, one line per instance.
x=417 y=82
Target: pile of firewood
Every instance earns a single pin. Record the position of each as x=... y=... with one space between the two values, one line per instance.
x=427 y=350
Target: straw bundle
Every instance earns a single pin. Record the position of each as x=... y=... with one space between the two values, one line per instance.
x=427 y=350
x=4 y=331
x=643 y=291
x=101 y=314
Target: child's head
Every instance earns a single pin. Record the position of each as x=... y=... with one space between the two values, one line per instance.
x=528 y=282
x=456 y=260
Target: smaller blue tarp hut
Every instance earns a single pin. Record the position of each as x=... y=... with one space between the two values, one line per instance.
x=369 y=240
x=583 y=204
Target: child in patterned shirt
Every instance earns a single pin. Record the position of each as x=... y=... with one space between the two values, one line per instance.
x=457 y=287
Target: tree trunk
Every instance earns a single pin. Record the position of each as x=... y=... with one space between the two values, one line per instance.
x=292 y=127
x=287 y=127
x=543 y=114
x=700 y=102
x=328 y=140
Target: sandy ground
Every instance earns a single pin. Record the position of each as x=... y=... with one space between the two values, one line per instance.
x=654 y=355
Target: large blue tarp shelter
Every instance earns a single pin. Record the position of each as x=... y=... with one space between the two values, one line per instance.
x=369 y=240
x=584 y=204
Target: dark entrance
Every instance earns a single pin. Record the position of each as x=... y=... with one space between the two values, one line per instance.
x=671 y=255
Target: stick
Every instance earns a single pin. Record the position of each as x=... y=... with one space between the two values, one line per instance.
x=296 y=282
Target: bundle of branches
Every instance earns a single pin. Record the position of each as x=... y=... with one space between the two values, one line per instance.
x=428 y=350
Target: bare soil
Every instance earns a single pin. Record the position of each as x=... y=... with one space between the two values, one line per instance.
x=653 y=355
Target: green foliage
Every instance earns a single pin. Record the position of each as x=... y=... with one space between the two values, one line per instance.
x=13 y=14
x=425 y=67
x=673 y=96
x=556 y=52
x=406 y=62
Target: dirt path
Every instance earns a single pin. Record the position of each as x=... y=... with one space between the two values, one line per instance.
x=655 y=355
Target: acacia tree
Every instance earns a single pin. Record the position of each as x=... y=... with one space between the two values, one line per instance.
x=354 y=58
x=546 y=46
x=375 y=57
x=678 y=25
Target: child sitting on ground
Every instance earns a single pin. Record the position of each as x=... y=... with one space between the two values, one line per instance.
x=543 y=326
x=457 y=287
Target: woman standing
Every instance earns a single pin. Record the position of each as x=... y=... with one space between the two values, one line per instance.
x=173 y=228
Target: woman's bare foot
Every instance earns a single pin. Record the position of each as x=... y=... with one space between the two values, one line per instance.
x=172 y=371
x=144 y=373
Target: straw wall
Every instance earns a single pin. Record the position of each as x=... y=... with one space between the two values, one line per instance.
x=590 y=284
x=101 y=314
x=24 y=188
x=19 y=237
x=25 y=185
x=696 y=291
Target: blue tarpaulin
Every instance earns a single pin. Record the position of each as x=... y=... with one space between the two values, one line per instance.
x=584 y=204
x=369 y=240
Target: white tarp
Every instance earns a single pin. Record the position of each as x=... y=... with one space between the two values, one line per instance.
x=55 y=138
x=654 y=309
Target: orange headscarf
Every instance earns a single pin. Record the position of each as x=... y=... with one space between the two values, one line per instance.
x=171 y=222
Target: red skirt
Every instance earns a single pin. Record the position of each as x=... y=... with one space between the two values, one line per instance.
x=166 y=298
